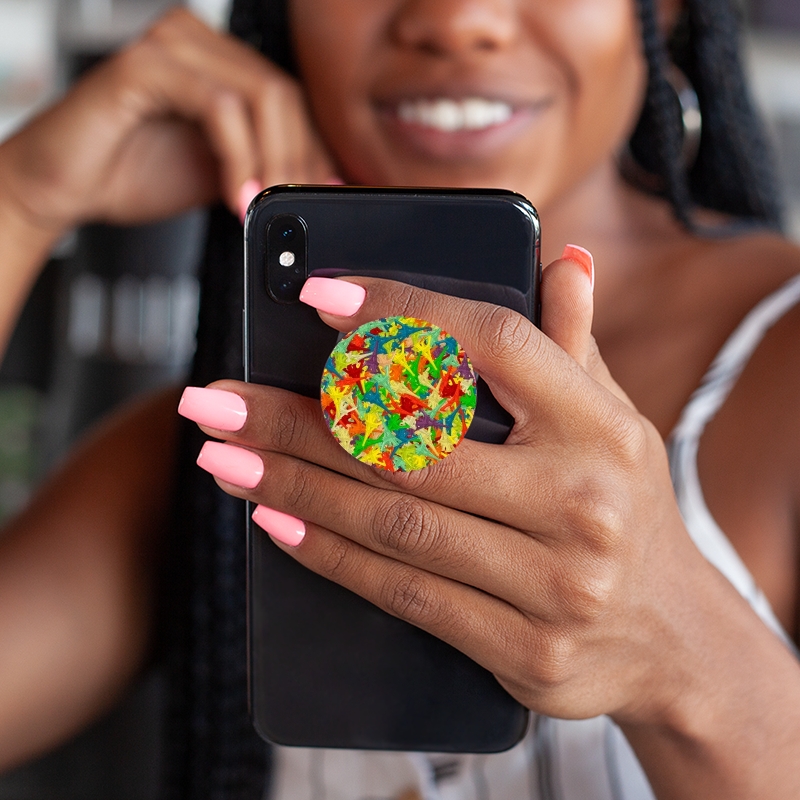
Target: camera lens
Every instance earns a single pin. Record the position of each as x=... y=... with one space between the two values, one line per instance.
x=286 y=255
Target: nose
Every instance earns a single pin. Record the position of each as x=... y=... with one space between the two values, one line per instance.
x=452 y=27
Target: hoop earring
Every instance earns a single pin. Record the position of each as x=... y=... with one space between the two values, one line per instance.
x=691 y=120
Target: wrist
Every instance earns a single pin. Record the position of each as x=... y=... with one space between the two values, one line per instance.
x=725 y=720
x=25 y=244
x=24 y=236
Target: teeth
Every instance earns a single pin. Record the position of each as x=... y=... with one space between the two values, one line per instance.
x=448 y=115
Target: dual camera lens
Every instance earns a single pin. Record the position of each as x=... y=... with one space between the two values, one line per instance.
x=287 y=241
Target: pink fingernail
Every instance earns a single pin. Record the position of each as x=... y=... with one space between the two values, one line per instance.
x=580 y=255
x=334 y=296
x=249 y=190
x=232 y=464
x=283 y=527
x=334 y=180
x=216 y=408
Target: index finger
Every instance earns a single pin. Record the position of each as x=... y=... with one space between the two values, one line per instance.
x=523 y=367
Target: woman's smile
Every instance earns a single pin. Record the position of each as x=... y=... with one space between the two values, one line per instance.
x=457 y=128
x=526 y=96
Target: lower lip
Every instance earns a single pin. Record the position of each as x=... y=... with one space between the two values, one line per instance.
x=462 y=144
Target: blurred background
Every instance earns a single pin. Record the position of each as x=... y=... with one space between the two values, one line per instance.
x=114 y=314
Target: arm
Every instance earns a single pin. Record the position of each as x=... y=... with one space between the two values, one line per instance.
x=77 y=572
x=180 y=118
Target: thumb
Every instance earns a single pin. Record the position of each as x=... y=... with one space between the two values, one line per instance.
x=568 y=303
x=567 y=310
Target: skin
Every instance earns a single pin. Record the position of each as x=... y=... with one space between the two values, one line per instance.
x=589 y=599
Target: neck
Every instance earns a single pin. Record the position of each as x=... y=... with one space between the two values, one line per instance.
x=609 y=217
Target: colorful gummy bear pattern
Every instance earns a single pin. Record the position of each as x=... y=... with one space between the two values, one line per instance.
x=398 y=393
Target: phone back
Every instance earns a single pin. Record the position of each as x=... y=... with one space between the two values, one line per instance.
x=327 y=668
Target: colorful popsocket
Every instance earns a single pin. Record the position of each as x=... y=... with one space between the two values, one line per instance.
x=398 y=393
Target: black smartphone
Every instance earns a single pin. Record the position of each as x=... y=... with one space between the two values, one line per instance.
x=327 y=668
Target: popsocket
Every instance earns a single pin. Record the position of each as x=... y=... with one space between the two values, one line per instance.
x=398 y=393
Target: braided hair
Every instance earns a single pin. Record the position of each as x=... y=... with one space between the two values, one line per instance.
x=211 y=748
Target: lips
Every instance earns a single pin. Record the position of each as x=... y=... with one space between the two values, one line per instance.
x=449 y=115
x=449 y=128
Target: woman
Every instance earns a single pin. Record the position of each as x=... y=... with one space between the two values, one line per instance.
x=562 y=561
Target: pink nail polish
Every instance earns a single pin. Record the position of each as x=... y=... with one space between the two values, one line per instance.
x=283 y=527
x=580 y=255
x=334 y=296
x=232 y=464
x=216 y=408
x=249 y=190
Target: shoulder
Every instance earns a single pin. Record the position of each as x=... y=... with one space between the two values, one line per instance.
x=749 y=458
x=763 y=271
x=751 y=261
x=732 y=275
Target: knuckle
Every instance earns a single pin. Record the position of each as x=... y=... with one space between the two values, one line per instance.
x=551 y=665
x=589 y=591
x=627 y=438
x=412 y=598
x=404 y=297
x=334 y=559
x=299 y=488
x=594 y=514
x=286 y=427
x=178 y=20
x=507 y=334
x=167 y=27
x=406 y=525
x=131 y=60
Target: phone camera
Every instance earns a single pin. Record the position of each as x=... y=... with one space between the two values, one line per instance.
x=286 y=257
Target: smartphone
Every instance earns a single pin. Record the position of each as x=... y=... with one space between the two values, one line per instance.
x=327 y=668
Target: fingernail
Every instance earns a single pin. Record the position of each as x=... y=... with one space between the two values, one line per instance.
x=334 y=296
x=580 y=255
x=283 y=527
x=232 y=464
x=334 y=180
x=250 y=188
x=216 y=408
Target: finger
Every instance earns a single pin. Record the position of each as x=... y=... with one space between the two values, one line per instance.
x=498 y=560
x=531 y=377
x=153 y=84
x=474 y=478
x=488 y=630
x=567 y=302
x=567 y=311
x=515 y=485
x=287 y=146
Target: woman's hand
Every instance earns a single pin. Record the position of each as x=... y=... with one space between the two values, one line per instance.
x=180 y=117
x=557 y=560
x=543 y=559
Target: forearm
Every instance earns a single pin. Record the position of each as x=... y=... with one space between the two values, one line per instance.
x=733 y=730
x=77 y=576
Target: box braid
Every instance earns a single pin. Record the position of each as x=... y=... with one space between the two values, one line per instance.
x=211 y=750
x=733 y=172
